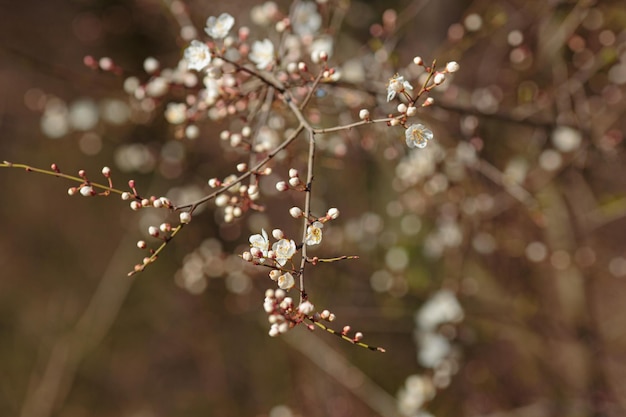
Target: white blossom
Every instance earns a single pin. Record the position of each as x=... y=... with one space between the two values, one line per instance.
x=284 y=249
x=397 y=84
x=286 y=281
x=314 y=234
x=262 y=53
x=442 y=307
x=306 y=20
x=306 y=308
x=197 y=55
x=261 y=242
x=417 y=136
x=218 y=27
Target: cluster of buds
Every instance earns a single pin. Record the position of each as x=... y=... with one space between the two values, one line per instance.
x=86 y=188
x=236 y=198
x=416 y=135
x=294 y=182
x=284 y=315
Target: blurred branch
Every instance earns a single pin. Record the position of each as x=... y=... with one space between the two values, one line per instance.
x=338 y=367
x=48 y=392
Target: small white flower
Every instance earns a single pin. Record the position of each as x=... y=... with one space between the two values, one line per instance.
x=262 y=53
x=286 y=281
x=261 y=243
x=417 y=136
x=218 y=27
x=397 y=84
x=284 y=249
x=306 y=20
x=197 y=55
x=314 y=234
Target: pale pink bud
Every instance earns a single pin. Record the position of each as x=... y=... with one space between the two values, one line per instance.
x=71 y=190
x=87 y=191
x=274 y=274
x=141 y=244
x=364 y=114
x=295 y=212
x=280 y=294
x=145 y=203
x=283 y=327
x=452 y=66
x=185 y=217
x=358 y=336
x=418 y=60
x=214 y=182
x=247 y=256
x=411 y=111
x=332 y=213
x=165 y=227
x=106 y=171
x=134 y=205
x=237 y=212
x=439 y=78
x=402 y=108
x=157 y=203
x=294 y=181
x=153 y=231
x=253 y=189
x=282 y=186
x=221 y=200
x=242 y=167
x=278 y=234
x=126 y=195
x=293 y=173
x=325 y=314
x=429 y=101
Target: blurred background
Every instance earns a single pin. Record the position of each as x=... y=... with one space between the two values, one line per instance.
x=492 y=263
